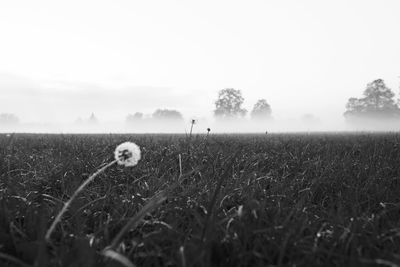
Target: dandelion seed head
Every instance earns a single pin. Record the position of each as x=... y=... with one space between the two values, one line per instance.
x=127 y=154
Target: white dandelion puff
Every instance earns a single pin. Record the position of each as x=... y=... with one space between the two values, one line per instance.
x=127 y=154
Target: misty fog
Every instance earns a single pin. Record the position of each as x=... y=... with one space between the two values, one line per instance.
x=200 y=126
x=306 y=58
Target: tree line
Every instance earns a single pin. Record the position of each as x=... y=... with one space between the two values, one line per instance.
x=377 y=103
x=228 y=106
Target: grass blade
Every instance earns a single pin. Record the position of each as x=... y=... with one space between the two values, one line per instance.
x=109 y=253
x=153 y=203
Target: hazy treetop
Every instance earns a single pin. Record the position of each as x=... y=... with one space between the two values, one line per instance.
x=167 y=114
x=261 y=110
x=378 y=102
x=229 y=104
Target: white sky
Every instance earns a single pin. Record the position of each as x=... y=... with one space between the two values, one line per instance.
x=64 y=59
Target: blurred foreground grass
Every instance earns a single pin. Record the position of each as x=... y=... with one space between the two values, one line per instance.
x=284 y=200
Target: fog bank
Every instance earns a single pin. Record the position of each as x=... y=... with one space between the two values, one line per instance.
x=201 y=126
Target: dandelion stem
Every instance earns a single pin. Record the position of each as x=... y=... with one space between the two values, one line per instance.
x=180 y=165
x=68 y=203
x=191 y=129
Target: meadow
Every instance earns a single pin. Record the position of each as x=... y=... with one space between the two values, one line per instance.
x=330 y=199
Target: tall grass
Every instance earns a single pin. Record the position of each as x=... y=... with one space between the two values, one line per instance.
x=283 y=200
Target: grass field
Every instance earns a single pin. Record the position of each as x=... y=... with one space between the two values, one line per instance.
x=241 y=200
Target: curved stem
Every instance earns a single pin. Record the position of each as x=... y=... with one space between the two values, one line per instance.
x=68 y=203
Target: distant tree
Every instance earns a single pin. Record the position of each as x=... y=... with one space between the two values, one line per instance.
x=378 y=103
x=79 y=120
x=138 y=116
x=8 y=118
x=92 y=119
x=229 y=104
x=261 y=110
x=167 y=114
x=310 y=119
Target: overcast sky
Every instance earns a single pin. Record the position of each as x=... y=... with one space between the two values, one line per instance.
x=63 y=59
